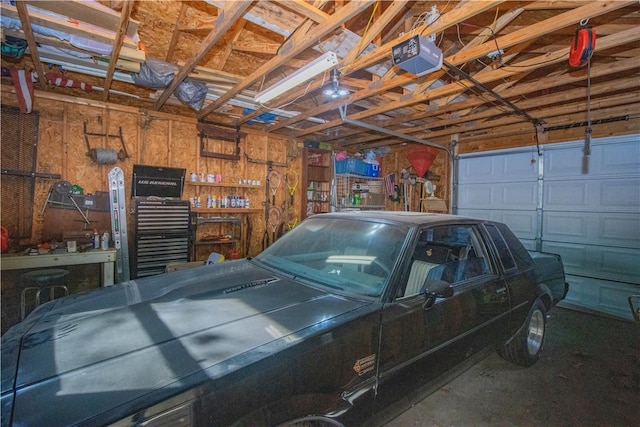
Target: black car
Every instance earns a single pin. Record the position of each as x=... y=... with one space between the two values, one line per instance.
x=323 y=317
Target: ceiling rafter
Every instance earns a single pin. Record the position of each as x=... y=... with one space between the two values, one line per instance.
x=381 y=22
x=298 y=34
x=445 y=21
x=305 y=9
x=506 y=71
x=449 y=112
x=288 y=51
x=542 y=107
x=25 y=20
x=176 y=32
x=125 y=15
x=227 y=17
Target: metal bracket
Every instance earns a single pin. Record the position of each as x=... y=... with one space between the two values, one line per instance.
x=93 y=152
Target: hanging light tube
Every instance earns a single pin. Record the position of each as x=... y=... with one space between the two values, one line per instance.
x=312 y=69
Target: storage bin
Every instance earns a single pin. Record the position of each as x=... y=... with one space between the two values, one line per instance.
x=355 y=167
x=373 y=169
x=341 y=166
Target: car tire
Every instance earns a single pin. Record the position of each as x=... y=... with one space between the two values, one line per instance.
x=312 y=422
x=525 y=346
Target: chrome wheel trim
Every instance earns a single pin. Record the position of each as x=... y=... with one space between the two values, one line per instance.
x=535 y=332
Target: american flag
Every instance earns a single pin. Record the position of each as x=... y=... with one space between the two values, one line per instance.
x=389 y=183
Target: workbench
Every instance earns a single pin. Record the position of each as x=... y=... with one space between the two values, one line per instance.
x=106 y=258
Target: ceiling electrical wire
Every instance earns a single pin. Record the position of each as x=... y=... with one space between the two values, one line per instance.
x=492 y=93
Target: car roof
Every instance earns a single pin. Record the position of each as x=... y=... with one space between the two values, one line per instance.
x=410 y=218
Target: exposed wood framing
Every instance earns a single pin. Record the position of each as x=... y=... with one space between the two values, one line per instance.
x=25 y=20
x=117 y=45
x=226 y=19
x=289 y=51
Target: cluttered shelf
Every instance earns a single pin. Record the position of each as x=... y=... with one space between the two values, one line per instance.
x=222 y=185
x=227 y=210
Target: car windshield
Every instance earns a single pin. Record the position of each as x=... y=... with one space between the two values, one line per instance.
x=349 y=255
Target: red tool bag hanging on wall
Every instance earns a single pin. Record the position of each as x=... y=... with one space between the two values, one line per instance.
x=582 y=46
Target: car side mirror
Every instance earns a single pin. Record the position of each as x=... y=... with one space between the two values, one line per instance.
x=434 y=289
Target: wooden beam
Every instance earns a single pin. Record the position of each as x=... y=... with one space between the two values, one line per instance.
x=236 y=30
x=374 y=31
x=290 y=50
x=226 y=19
x=89 y=12
x=255 y=47
x=579 y=117
x=449 y=113
x=66 y=26
x=543 y=108
x=572 y=17
x=305 y=9
x=445 y=21
x=547 y=115
x=297 y=35
x=25 y=21
x=449 y=19
x=176 y=33
x=533 y=63
x=268 y=15
x=125 y=13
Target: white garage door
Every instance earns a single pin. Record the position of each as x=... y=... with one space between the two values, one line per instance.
x=589 y=214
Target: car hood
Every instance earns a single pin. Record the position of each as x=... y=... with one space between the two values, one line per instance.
x=93 y=352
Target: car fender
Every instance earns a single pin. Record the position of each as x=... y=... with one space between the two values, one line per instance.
x=545 y=295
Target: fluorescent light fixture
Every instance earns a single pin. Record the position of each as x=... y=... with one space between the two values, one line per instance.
x=312 y=69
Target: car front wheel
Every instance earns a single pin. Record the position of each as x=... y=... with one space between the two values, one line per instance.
x=525 y=346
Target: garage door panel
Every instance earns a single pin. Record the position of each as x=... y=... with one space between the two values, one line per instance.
x=600 y=295
x=612 y=229
x=523 y=195
x=607 y=263
x=623 y=195
x=523 y=224
x=512 y=167
x=608 y=159
x=593 y=195
x=620 y=229
x=476 y=195
x=479 y=214
x=591 y=217
x=520 y=195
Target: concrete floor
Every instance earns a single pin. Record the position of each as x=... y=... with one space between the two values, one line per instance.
x=588 y=375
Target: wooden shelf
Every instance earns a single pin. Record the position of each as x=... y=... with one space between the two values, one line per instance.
x=214 y=242
x=227 y=210
x=222 y=185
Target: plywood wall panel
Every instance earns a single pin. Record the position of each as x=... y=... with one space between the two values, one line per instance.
x=152 y=139
x=154 y=148
x=183 y=145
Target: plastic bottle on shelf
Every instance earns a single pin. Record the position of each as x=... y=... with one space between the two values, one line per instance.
x=104 y=242
x=246 y=203
x=96 y=239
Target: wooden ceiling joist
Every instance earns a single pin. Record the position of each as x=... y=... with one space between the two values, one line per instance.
x=453 y=88
x=117 y=45
x=290 y=50
x=226 y=19
x=25 y=21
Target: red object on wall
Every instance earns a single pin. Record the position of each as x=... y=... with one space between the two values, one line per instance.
x=582 y=47
x=421 y=158
x=4 y=242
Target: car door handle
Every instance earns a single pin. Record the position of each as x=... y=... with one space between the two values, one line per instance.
x=501 y=291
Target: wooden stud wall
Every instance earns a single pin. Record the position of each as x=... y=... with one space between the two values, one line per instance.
x=151 y=138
